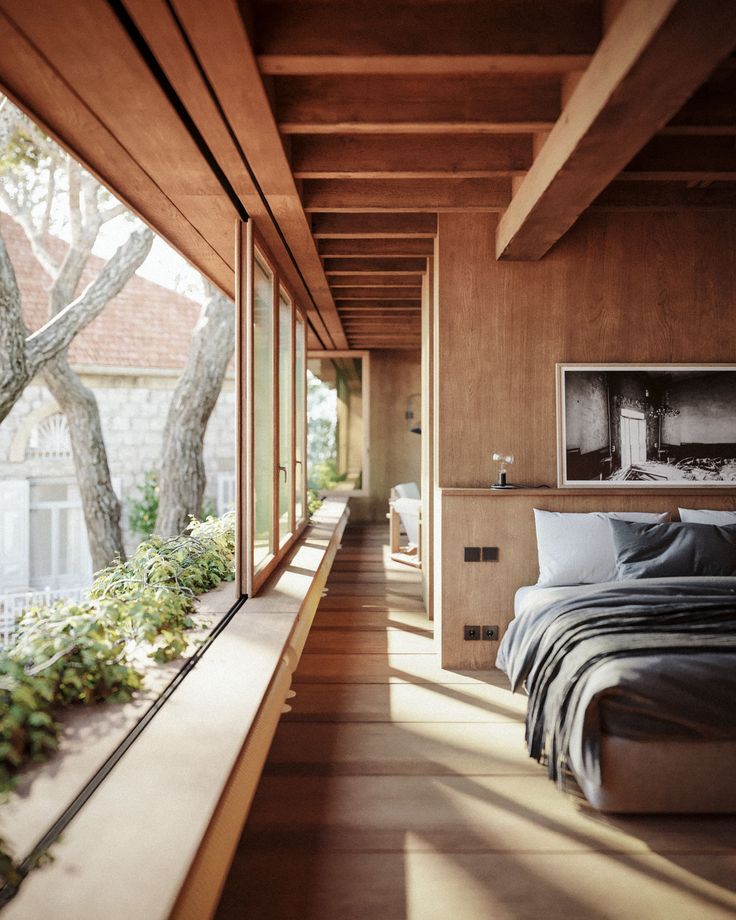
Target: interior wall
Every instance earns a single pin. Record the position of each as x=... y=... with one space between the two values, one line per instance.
x=395 y=453
x=619 y=287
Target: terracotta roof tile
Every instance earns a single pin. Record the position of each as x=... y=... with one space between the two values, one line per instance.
x=146 y=325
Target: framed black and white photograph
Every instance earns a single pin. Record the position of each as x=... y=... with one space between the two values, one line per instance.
x=646 y=425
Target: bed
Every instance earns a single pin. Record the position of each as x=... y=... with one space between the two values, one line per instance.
x=631 y=683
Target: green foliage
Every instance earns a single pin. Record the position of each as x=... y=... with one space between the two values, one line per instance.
x=313 y=501
x=85 y=653
x=143 y=510
x=324 y=475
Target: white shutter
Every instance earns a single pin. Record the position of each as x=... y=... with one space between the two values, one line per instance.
x=14 y=497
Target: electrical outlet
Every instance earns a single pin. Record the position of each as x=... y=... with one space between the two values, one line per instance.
x=489 y=554
x=471 y=633
x=490 y=633
x=472 y=553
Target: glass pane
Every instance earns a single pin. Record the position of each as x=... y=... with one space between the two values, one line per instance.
x=41 y=538
x=286 y=409
x=300 y=408
x=336 y=426
x=263 y=406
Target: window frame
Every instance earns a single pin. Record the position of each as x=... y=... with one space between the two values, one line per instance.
x=250 y=578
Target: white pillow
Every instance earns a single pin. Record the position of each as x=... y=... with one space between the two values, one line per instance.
x=706 y=516
x=576 y=549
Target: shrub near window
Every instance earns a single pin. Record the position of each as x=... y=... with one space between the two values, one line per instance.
x=86 y=653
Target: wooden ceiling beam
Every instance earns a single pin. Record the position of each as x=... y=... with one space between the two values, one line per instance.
x=358 y=294
x=379 y=307
x=383 y=344
x=374 y=226
x=359 y=104
x=406 y=194
x=652 y=58
x=685 y=158
x=420 y=64
x=338 y=282
x=403 y=325
x=358 y=248
x=666 y=196
x=409 y=156
x=401 y=266
x=446 y=27
x=711 y=109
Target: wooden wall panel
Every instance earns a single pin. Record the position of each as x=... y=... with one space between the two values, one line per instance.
x=618 y=288
x=478 y=593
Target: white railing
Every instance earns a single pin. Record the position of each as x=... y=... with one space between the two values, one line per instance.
x=13 y=605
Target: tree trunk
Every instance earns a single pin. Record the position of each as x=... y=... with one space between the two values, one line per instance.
x=182 y=475
x=101 y=505
x=14 y=373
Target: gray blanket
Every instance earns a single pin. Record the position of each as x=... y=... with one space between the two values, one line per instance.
x=639 y=661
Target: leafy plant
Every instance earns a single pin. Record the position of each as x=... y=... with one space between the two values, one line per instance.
x=313 y=501
x=84 y=653
x=143 y=510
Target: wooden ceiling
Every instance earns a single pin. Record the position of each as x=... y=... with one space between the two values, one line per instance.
x=346 y=128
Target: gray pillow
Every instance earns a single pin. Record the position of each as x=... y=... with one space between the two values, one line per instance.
x=673 y=550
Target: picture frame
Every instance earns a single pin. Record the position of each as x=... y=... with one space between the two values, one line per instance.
x=646 y=425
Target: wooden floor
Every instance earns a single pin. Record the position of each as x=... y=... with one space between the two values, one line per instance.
x=396 y=790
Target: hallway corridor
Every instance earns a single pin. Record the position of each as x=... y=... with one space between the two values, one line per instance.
x=395 y=789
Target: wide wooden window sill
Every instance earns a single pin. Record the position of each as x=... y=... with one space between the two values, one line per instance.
x=156 y=838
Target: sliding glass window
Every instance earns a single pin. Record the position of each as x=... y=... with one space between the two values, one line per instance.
x=286 y=419
x=274 y=430
x=300 y=426
x=263 y=414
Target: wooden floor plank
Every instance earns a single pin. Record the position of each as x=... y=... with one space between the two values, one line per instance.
x=399 y=790
x=428 y=702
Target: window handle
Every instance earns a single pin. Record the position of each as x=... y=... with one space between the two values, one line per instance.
x=282 y=469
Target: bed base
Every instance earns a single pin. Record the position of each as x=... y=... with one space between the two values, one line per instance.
x=657 y=777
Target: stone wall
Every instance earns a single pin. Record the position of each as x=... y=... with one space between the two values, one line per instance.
x=133 y=410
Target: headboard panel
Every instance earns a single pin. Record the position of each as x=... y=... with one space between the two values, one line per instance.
x=483 y=593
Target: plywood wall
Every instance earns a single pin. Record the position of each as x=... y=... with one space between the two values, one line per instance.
x=620 y=287
x=627 y=287
x=395 y=453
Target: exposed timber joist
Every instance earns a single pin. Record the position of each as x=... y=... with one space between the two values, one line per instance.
x=653 y=57
x=409 y=156
x=408 y=281
x=373 y=308
x=374 y=266
x=685 y=158
x=420 y=64
x=362 y=248
x=374 y=226
x=666 y=196
x=406 y=194
x=441 y=104
x=711 y=109
x=350 y=295
x=366 y=28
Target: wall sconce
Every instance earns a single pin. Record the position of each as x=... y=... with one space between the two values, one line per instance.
x=413 y=414
x=503 y=460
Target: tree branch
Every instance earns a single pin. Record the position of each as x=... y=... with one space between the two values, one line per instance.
x=58 y=333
